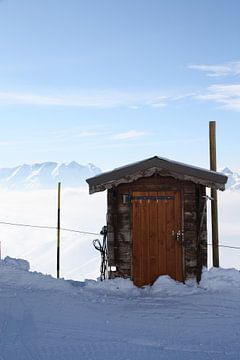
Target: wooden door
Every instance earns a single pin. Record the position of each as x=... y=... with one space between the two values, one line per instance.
x=156 y=219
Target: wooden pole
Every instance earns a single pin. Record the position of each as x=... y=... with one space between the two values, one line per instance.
x=214 y=203
x=58 y=230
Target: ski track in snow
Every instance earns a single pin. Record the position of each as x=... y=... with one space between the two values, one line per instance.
x=93 y=323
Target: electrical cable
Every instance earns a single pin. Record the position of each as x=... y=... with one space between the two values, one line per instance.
x=83 y=232
x=227 y=246
x=47 y=227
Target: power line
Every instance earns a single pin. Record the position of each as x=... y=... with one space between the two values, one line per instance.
x=82 y=232
x=227 y=246
x=48 y=227
x=28 y=225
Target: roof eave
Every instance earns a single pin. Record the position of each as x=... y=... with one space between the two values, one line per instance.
x=95 y=185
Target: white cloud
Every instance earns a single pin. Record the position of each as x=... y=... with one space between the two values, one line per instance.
x=79 y=258
x=84 y=134
x=85 y=98
x=159 y=101
x=229 y=227
x=218 y=70
x=132 y=99
x=134 y=107
x=14 y=143
x=129 y=135
x=227 y=95
x=158 y=105
x=10 y=98
x=84 y=212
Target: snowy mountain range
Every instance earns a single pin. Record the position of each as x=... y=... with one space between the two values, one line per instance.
x=233 y=179
x=46 y=175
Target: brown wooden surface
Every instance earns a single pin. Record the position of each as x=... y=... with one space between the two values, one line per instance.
x=214 y=203
x=194 y=250
x=155 y=249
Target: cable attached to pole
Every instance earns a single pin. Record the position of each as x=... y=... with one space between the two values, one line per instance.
x=47 y=227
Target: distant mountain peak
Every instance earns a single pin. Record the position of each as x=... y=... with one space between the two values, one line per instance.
x=233 y=182
x=46 y=175
x=226 y=171
x=73 y=164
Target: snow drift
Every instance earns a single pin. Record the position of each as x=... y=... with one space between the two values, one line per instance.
x=44 y=319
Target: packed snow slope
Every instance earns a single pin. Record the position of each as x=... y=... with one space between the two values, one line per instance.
x=45 y=319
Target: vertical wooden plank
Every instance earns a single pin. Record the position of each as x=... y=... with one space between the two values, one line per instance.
x=110 y=228
x=162 y=252
x=178 y=245
x=153 y=238
x=140 y=240
x=136 y=233
x=115 y=227
x=145 y=239
x=214 y=203
x=201 y=243
x=170 y=224
x=58 y=230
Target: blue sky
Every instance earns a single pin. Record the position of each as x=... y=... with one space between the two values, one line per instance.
x=111 y=82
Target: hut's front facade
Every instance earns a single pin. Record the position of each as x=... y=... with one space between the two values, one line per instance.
x=156 y=219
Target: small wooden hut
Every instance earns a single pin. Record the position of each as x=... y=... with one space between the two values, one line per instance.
x=156 y=218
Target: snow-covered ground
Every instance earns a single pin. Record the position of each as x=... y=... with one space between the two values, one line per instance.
x=45 y=319
x=79 y=260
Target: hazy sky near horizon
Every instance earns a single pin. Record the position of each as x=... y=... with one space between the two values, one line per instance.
x=114 y=82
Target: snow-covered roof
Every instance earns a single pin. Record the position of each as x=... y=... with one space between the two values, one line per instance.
x=156 y=165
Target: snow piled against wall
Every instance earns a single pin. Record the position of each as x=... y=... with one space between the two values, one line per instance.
x=15 y=273
x=218 y=279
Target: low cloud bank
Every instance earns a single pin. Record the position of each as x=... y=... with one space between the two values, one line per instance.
x=80 y=211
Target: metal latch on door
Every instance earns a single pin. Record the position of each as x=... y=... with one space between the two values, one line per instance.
x=178 y=235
